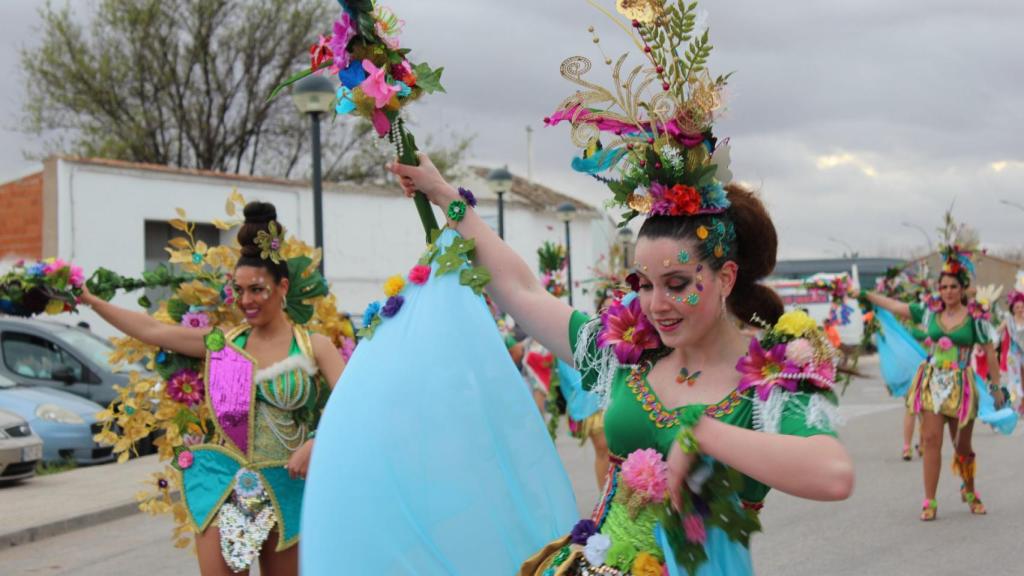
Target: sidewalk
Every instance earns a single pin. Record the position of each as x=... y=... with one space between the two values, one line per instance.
x=46 y=506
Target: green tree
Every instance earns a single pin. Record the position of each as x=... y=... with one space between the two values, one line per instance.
x=185 y=83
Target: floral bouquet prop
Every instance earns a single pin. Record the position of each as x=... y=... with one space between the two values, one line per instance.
x=836 y=288
x=635 y=531
x=552 y=263
x=168 y=399
x=652 y=130
x=363 y=50
x=51 y=286
x=792 y=357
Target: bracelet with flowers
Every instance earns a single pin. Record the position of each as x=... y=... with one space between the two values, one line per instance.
x=626 y=536
x=377 y=79
x=793 y=355
x=167 y=401
x=457 y=257
x=52 y=286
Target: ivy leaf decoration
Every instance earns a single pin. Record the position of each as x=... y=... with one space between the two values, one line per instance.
x=428 y=79
x=476 y=278
x=366 y=332
x=448 y=262
x=462 y=246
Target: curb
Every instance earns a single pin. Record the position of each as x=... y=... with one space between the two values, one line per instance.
x=56 y=528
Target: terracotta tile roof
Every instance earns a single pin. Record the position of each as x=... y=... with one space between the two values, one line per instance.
x=540 y=196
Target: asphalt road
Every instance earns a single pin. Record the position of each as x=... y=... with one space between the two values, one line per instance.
x=876 y=532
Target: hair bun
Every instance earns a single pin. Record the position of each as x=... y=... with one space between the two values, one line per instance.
x=259 y=213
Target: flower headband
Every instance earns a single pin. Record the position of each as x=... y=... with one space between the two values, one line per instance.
x=959 y=245
x=653 y=129
x=270 y=242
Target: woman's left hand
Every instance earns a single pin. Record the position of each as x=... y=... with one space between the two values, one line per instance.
x=679 y=464
x=298 y=464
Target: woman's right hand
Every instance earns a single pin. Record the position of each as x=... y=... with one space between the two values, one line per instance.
x=424 y=178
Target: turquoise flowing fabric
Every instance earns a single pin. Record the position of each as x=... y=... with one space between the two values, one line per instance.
x=899 y=354
x=431 y=457
x=579 y=403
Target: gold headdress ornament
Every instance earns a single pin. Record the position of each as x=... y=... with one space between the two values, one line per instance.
x=270 y=242
x=652 y=128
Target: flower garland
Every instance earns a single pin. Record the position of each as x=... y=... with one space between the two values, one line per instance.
x=551 y=259
x=836 y=288
x=169 y=399
x=457 y=257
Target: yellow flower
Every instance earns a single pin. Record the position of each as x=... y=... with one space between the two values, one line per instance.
x=646 y=565
x=645 y=11
x=702 y=233
x=795 y=323
x=54 y=307
x=393 y=286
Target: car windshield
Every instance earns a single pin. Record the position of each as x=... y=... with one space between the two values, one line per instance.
x=95 y=348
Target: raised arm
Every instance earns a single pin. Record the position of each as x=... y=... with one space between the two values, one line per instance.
x=901 y=309
x=187 y=341
x=513 y=285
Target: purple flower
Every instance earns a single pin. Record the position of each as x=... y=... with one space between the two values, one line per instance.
x=344 y=32
x=583 y=530
x=195 y=320
x=468 y=196
x=392 y=306
x=186 y=386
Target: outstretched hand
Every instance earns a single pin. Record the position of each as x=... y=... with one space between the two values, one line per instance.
x=424 y=178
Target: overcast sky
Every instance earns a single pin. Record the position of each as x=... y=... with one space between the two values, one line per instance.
x=851 y=117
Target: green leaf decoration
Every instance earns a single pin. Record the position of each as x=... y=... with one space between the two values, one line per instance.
x=427 y=79
x=215 y=341
x=305 y=283
x=183 y=418
x=476 y=278
x=144 y=301
x=295 y=78
x=448 y=262
x=368 y=330
x=428 y=255
x=176 y=309
x=462 y=245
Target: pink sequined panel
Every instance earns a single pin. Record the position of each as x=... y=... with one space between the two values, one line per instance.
x=230 y=390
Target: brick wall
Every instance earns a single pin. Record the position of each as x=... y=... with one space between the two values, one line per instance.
x=21 y=217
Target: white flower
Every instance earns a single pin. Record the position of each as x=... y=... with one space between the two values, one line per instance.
x=799 y=352
x=596 y=549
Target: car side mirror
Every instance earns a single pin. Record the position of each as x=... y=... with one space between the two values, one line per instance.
x=64 y=374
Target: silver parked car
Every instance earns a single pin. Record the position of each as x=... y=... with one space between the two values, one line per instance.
x=20 y=448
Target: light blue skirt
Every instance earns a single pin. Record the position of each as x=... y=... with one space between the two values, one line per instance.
x=431 y=457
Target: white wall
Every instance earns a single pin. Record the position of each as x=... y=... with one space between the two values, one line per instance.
x=370 y=233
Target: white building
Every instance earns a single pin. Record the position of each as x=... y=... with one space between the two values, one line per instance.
x=114 y=214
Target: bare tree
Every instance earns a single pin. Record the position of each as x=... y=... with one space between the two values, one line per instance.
x=185 y=83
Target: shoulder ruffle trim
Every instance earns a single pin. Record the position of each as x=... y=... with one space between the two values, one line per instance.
x=819 y=412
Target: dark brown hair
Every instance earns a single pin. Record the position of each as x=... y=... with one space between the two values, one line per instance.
x=258 y=216
x=753 y=250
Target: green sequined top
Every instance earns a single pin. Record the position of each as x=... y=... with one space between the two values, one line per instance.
x=290 y=396
x=968 y=333
x=636 y=419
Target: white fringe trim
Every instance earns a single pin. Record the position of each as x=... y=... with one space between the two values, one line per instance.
x=602 y=360
x=819 y=412
x=290 y=363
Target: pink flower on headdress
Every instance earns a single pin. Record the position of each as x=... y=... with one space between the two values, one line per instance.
x=627 y=331
x=761 y=369
x=646 y=472
x=376 y=85
x=344 y=32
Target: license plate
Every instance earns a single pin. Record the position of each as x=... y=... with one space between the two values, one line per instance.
x=32 y=453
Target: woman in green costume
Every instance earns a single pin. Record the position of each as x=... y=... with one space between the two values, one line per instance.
x=682 y=397
x=945 y=387
x=244 y=494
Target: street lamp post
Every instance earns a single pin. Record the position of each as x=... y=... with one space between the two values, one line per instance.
x=313 y=96
x=566 y=212
x=1016 y=205
x=500 y=180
